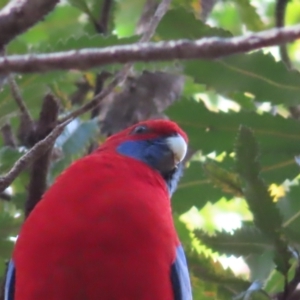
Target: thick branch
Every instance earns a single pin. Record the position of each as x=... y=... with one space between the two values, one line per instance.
x=19 y=15
x=39 y=168
x=206 y=48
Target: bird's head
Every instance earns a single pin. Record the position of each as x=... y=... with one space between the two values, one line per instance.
x=161 y=144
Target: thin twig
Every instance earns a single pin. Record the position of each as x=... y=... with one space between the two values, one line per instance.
x=8 y=136
x=37 y=150
x=280 y=10
x=154 y=21
x=121 y=75
x=102 y=24
x=205 y=48
x=96 y=100
x=15 y=91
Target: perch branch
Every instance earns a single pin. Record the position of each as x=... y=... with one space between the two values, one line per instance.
x=205 y=48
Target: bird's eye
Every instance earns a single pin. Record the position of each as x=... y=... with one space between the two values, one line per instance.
x=140 y=129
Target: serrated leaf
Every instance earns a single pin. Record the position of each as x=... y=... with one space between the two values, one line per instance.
x=58 y=25
x=170 y=27
x=290 y=209
x=209 y=131
x=242 y=242
x=194 y=189
x=228 y=182
x=256 y=193
x=256 y=73
x=82 y=5
x=249 y=15
x=76 y=42
x=212 y=272
x=258 y=197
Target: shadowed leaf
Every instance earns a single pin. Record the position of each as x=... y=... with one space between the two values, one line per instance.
x=228 y=182
x=258 y=198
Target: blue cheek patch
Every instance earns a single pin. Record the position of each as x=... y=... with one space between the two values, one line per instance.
x=151 y=152
x=133 y=149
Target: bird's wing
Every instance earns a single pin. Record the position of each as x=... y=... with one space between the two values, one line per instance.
x=9 y=289
x=180 y=277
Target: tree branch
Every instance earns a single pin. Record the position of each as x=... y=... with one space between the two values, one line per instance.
x=154 y=21
x=37 y=150
x=121 y=75
x=26 y=125
x=19 y=15
x=205 y=48
x=280 y=10
x=15 y=91
x=8 y=136
x=40 y=166
x=102 y=24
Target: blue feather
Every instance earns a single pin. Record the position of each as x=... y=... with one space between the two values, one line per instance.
x=157 y=155
x=180 y=277
x=9 y=288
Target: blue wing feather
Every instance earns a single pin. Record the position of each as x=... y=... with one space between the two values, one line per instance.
x=9 y=289
x=180 y=277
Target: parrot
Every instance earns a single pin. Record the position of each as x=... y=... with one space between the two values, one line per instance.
x=104 y=230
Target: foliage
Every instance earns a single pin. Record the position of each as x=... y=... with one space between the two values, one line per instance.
x=235 y=111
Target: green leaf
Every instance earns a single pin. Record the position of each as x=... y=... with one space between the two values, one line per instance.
x=254 y=292
x=276 y=281
x=256 y=73
x=60 y=24
x=75 y=42
x=228 y=182
x=258 y=198
x=249 y=15
x=8 y=156
x=170 y=27
x=127 y=14
x=194 y=189
x=244 y=241
x=209 y=131
x=290 y=209
x=212 y=272
x=33 y=88
x=260 y=265
x=82 y=5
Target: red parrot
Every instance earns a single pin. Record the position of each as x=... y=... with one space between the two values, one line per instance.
x=104 y=229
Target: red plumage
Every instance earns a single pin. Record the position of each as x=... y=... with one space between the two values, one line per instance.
x=104 y=230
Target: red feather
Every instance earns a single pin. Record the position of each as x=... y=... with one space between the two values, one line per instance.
x=104 y=231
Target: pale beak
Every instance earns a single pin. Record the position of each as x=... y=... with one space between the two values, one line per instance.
x=178 y=146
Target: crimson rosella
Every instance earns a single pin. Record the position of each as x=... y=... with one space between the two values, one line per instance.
x=104 y=229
